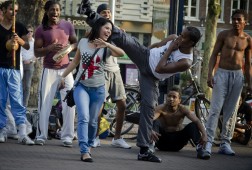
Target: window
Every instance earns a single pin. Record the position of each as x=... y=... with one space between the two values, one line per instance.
x=239 y=4
x=221 y=17
x=191 y=9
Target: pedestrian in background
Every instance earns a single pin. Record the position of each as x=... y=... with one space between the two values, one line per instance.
x=29 y=59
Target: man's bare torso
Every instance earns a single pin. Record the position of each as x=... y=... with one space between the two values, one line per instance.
x=172 y=121
x=233 y=48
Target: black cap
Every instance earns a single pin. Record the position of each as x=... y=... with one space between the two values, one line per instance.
x=102 y=7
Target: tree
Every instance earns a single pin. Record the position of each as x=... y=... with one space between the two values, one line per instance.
x=210 y=38
x=27 y=9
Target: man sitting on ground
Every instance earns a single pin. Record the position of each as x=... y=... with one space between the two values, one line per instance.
x=169 y=133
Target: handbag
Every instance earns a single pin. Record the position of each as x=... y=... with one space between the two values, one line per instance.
x=69 y=99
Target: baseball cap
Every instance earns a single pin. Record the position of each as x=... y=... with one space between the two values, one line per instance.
x=102 y=7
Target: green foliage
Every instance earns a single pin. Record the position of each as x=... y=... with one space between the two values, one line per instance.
x=184 y=77
x=214 y=8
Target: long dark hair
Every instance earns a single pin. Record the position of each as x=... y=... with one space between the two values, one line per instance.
x=95 y=31
x=47 y=6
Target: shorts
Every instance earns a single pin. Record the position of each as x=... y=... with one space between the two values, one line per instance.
x=114 y=86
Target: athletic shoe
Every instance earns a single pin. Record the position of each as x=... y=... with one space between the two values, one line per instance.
x=39 y=142
x=148 y=156
x=68 y=144
x=226 y=149
x=202 y=153
x=120 y=143
x=3 y=135
x=85 y=8
x=25 y=140
x=97 y=142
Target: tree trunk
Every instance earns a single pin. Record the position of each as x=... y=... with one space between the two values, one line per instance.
x=210 y=38
x=31 y=12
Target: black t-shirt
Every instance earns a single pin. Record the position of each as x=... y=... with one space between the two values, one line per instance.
x=245 y=111
x=5 y=55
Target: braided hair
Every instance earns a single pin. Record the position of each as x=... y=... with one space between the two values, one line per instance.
x=47 y=6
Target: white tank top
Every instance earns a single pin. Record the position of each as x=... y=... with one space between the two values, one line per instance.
x=157 y=53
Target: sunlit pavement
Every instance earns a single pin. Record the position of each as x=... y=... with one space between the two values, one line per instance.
x=53 y=156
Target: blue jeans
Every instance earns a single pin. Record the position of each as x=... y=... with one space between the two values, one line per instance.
x=88 y=102
x=10 y=80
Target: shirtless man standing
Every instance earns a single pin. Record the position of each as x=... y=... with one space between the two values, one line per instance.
x=168 y=132
x=227 y=82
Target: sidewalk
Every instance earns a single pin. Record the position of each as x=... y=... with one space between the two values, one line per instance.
x=54 y=156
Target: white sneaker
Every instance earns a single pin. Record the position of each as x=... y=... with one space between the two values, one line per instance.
x=40 y=142
x=226 y=149
x=97 y=142
x=3 y=135
x=25 y=140
x=68 y=144
x=120 y=143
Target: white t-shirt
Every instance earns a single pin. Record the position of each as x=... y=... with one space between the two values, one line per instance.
x=157 y=53
x=28 y=54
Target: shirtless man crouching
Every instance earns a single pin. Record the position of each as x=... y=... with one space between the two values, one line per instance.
x=169 y=133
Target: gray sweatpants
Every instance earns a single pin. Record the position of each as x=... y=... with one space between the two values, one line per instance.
x=226 y=93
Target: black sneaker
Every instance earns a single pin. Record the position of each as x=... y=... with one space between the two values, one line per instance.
x=84 y=8
x=148 y=156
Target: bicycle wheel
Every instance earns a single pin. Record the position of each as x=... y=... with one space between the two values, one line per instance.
x=133 y=99
x=129 y=130
x=202 y=109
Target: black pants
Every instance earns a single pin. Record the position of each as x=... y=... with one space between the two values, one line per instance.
x=175 y=141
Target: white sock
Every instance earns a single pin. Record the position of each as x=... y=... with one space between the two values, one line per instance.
x=21 y=130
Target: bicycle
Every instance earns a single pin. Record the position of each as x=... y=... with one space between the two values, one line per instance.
x=129 y=129
x=201 y=104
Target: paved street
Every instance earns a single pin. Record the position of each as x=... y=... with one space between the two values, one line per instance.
x=53 y=156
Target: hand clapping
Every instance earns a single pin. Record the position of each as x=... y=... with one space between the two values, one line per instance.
x=99 y=43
